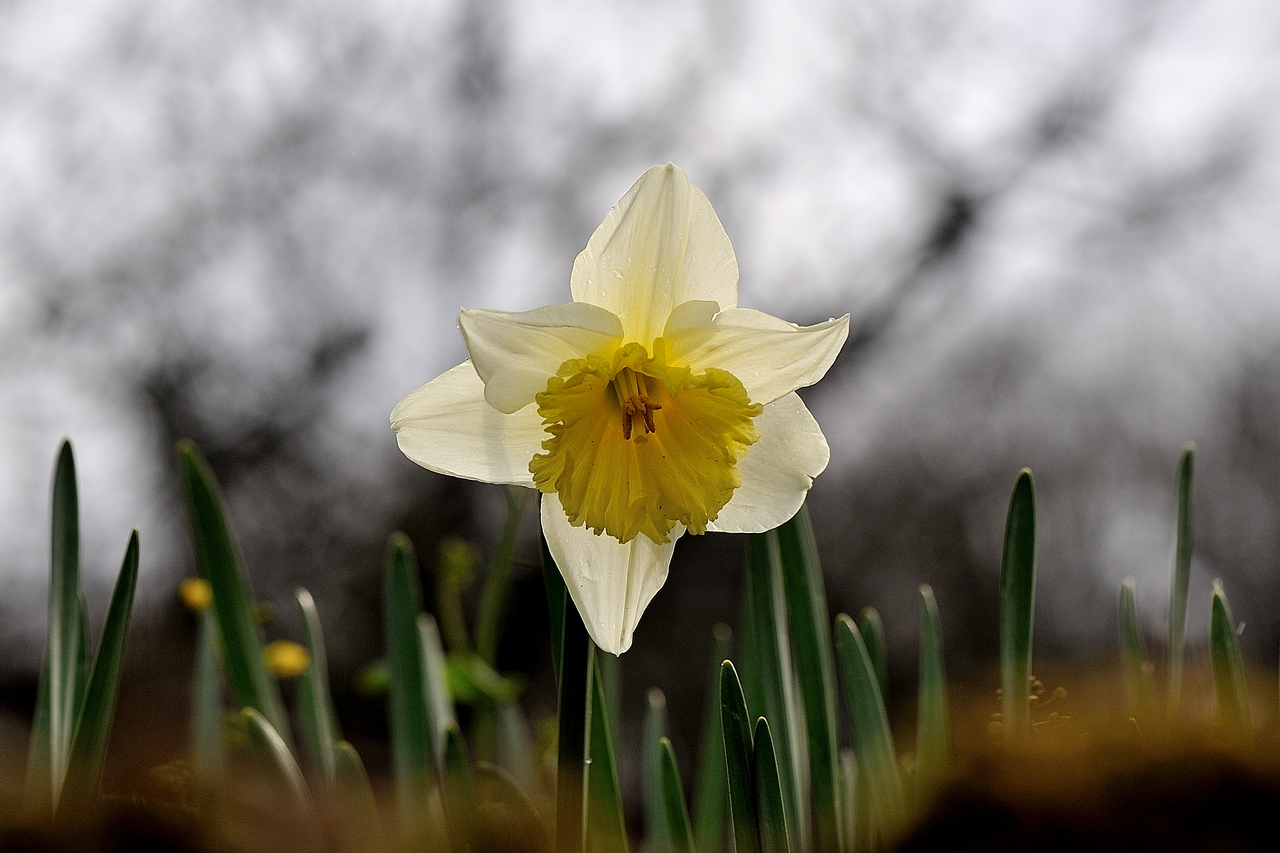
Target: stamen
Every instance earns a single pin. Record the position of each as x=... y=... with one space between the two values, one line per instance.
x=633 y=398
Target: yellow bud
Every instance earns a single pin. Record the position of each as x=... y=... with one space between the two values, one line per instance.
x=196 y=594
x=286 y=659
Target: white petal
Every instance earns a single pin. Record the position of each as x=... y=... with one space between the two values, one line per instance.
x=770 y=357
x=446 y=426
x=610 y=583
x=661 y=245
x=516 y=353
x=777 y=470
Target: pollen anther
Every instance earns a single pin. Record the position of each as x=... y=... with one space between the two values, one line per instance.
x=633 y=397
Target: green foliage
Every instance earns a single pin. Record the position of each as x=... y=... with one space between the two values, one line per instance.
x=413 y=747
x=60 y=681
x=96 y=711
x=739 y=752
x=1017 y=606
x=315 y=705
x=711 y=817
x=806 y=603
x=873 y=741
x=1232 y=697
x=1139 y=692
x=1181 y=577
x=233 y=602
x=933 y=728
x=678 y=833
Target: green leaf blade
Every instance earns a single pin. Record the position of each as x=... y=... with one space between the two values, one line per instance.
x=933 y=732
x=412 y=748
x=60 y=683
x=770 y=668
x=657 y=835
x=873 y=741
x=770 y=807
x=233 y=602
x=1017 y=607
x=739 y=749
x=320 y=721
x=679 y=832
x=359 y=827
x=815 y=673
x=710 y=815
x=275 y=756
x=89 y=749
x=1181 y=581
x=1139 y=693
x=1231 y=694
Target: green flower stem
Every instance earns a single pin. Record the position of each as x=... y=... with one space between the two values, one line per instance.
x=497 y=584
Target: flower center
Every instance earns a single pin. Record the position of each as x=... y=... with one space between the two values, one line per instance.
x=674 y=460
x=633 y=397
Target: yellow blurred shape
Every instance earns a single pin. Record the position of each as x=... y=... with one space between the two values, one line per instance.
x=196 y=594
x=286 y=659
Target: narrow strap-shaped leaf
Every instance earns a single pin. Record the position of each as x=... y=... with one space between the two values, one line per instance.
x=1181 y=576
x=856 y=828
x=815 y=672
x=1228 y=666
x=606 y=827
x=710 y=814
x=440 y=711
x=39 y=790
x=233 y=602
x=359 y=829
x=412 y=748
x=55 y=716
x=679 y=833
x=89 y=750
x=739 y=749
x=771 y=667
x=872 y=628
x=933 y=727
x=82 y=660
x=576 y=699
x=1017 y=606
x=516 y=745
x=497 y=582
x=274 y=755
x=657 y=837
x=523 y=823
x=1139 y=695
x=315 y=703
x=769 y=804
x=459 y=792
x=206 y=708
x=873 y=740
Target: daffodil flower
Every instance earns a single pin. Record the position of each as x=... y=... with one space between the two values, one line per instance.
x=650 y=406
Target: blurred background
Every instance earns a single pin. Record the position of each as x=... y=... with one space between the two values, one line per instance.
x=1055 y=226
